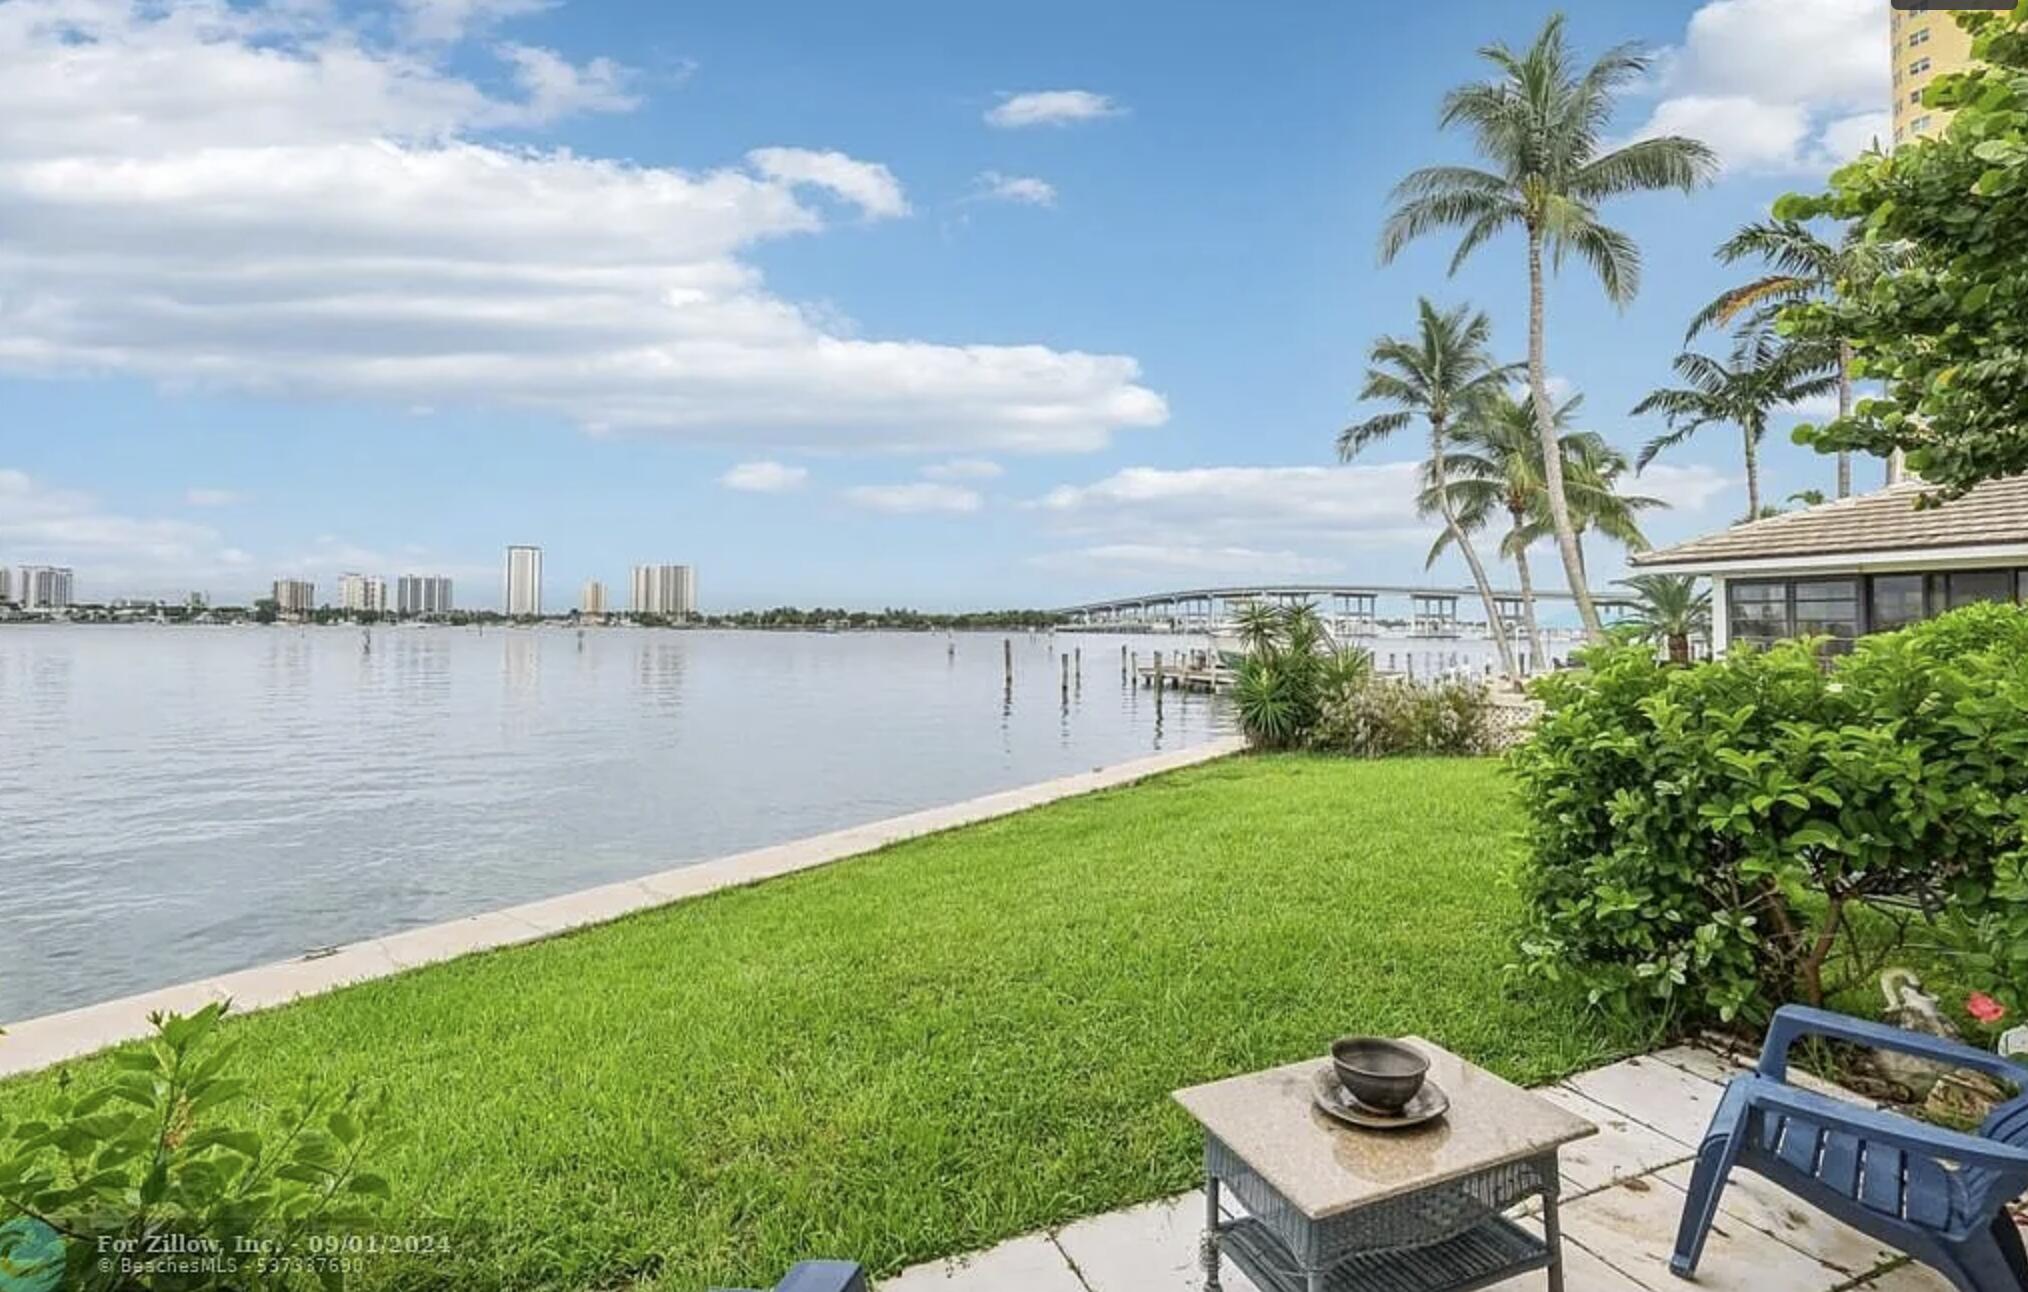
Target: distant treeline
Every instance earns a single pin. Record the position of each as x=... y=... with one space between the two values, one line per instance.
x=892 y=617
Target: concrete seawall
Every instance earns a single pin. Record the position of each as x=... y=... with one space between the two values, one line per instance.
x=54 y=1038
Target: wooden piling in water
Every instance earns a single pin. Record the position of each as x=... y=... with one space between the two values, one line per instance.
x=1007 y=657
x=1066 y=679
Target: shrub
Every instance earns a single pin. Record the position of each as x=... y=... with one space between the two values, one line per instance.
x=1389 y=717
x=1290 y=667
x=146 y=1166
x=1702 y=842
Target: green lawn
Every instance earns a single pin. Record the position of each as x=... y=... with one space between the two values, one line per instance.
x=932 y=1048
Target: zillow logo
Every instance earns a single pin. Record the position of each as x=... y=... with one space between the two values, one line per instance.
x=31 y=1256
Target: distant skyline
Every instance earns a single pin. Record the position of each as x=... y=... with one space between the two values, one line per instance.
x=964 y=308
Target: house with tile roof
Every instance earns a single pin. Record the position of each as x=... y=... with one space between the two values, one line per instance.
x=1866 y=564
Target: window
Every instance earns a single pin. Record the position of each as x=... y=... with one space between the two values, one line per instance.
x=1758 y=612
x=1920 y=124
x=1968 y=587
x=1915 y=96
x=1827 y=608
x=1896 y=601
x=1920 y=36
x=1918 y=67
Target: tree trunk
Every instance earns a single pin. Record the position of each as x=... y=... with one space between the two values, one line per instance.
x=1552 y=450
x=1752 y=473
x=1844 y=411
x=1441 y=480
x=1679 y=649
x=1538 y=656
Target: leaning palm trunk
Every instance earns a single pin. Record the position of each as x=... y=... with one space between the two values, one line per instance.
x=1438 y=478
x=1537 y=654
x=1552 y=452
x=1844 y=411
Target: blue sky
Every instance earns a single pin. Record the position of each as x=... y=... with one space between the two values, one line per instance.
x=916 y=303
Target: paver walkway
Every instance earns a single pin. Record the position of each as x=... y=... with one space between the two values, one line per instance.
x=1622 y=1195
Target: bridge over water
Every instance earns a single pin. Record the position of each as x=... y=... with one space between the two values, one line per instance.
x=1354 y=609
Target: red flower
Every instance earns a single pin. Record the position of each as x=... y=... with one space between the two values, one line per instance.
x=1984 y=1008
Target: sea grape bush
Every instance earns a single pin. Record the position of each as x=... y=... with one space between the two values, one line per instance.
x=1395 y=718
x=1707 y=843
x=143 y=1182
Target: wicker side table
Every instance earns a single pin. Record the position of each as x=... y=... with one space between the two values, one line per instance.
x=1325 y=1208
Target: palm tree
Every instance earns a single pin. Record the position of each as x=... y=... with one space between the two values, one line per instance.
x=1596 y=503
x=1670 y=608
x=1764 y=374
x=1496 y=465
x=1802 y=267
x=1438 y=375
x=1541 y=122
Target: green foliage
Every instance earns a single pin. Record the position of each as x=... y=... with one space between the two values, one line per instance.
x=1703 y=841
x=145 y=1165
x=1947 y=332
x=1669 y=610
x=1395 y=718
x=1290 y=668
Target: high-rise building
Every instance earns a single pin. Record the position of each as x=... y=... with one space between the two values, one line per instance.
x=524 y=581
x=422 y=594
x=295 y=596
x=1925 y=44
x=592 y=601
x=359 y=593
x=6 y=585
x=669 y=590
x=44 y=587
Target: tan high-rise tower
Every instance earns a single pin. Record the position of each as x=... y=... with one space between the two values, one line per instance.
x=1925 y=44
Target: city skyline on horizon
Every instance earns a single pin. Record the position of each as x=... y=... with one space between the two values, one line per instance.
x=1031 y=322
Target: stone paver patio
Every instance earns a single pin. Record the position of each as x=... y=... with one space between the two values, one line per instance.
x=1622 y=1194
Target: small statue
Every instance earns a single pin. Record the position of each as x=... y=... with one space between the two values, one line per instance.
x=1956 y=1097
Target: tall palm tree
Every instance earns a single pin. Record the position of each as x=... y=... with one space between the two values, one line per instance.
x=1669 y=608
x=1436 y=376
x=1764 y=374
x=1801 y=267
x=1540 y=122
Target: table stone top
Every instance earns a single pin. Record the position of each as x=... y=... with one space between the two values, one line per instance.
x=1325 y=1168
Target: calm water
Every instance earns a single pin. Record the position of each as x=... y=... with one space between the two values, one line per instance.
x=178 y=802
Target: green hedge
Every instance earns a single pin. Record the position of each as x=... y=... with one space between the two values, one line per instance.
x=1709 y=842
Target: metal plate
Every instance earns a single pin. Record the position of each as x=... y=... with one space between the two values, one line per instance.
x=1330 y=1095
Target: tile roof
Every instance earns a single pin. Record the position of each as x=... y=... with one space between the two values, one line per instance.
x=1995 y=512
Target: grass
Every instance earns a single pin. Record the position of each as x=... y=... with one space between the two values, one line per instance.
x=935 y=1047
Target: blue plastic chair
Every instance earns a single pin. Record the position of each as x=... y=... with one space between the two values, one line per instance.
x=1938 y=1195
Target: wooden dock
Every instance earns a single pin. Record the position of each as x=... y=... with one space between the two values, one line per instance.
x=1200 y=671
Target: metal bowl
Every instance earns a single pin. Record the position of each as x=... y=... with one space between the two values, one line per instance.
x=1379 y=1073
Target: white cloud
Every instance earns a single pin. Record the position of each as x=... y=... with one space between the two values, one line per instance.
x=555 y=87
x=197 y=496
x=867 y=185
x=964 y=469
x=1683 y=488
x=450 y=20
x=113 y=554
x=1162 y=560
x=1777 y=86
x=1023 y=190
x=915 y=498
x=1240 y=506
x=257 y=197
x=765 y=477
x=1050 y=108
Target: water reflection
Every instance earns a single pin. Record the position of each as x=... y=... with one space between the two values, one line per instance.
x=186 y=801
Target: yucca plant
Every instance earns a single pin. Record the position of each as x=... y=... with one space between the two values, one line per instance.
x=1291 y=667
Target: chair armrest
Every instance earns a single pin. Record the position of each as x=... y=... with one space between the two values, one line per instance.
x=1877 y=1127
x=1792 y=1022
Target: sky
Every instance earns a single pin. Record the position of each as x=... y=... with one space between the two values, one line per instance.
x=909 y=303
